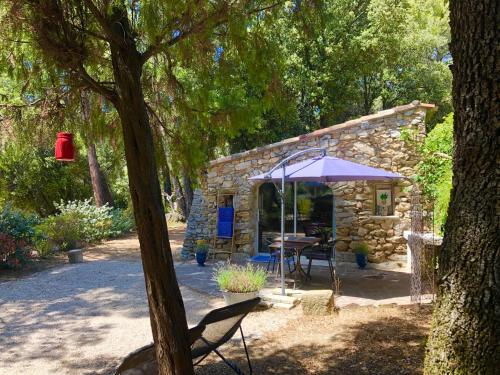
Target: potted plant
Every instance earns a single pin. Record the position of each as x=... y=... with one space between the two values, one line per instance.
x=361 y=251
x=383 y=199
x=201 y=252
x=324 y=233
x=239 y=283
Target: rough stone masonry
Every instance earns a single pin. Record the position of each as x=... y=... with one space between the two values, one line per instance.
x=375 y=140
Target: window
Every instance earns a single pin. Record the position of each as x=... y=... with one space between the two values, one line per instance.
x=314 y=207
x=384 y=201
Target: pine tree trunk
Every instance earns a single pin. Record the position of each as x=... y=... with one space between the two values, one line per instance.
x=167 y=314
x=167 y=185
x=188 y=191
x=180 y=200
x=102 y=193
x=100 y=187
x=465 y=334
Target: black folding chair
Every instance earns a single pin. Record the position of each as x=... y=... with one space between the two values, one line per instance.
x=321 y=252
x=214 y=330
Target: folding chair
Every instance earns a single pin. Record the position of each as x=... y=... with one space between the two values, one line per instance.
x=214 y=330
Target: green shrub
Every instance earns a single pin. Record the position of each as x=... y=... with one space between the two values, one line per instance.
x=240 y=279
x=435 y=169
x=32 y=179
x=82 y=222
x=64 y=230
x=122 y=222
x=361 y=248
x=43 y=246
x=17 y=224
x=91 y=223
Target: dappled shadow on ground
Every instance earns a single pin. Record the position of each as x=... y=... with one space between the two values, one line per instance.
x=80 y=319
x=360 y=341
x=59 y=313
x=127 y=247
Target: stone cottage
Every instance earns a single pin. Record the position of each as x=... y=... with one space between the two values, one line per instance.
x=371 y=212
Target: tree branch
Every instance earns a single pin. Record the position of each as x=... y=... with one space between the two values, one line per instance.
x=108 y=93
x=159 y=121
x=218 y=17
x=16 y=106
x=103 y=22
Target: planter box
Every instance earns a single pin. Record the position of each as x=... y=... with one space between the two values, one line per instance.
x=75 y=256
x=232 y=298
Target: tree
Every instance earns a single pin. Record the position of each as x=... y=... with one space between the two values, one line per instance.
x=341 y=59
x=465 y=330
x=100 y=187
x=105 y=46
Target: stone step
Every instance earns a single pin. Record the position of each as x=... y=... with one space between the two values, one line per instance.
x=287 y=306
x=288 y=292
x=280 y=299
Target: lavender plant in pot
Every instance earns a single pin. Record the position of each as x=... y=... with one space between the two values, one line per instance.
x=239 y=283
x=201 y=252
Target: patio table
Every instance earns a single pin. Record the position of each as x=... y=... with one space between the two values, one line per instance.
x=296 y=244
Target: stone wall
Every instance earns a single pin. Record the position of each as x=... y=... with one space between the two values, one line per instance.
x=373 y=140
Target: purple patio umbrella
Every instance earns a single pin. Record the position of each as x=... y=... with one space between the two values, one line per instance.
x=321 y=169
x=327 y=169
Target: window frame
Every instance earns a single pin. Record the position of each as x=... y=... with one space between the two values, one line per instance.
x=391 y=206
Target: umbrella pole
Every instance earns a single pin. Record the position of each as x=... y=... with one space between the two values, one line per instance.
x=282 y=250
x=334 y=227
x=295 y=208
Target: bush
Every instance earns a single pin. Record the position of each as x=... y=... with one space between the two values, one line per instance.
x=91 y=223
x=239 y=279
x=13 y=254
x=81 y=221
x=122 y=222
x=64 y=230
x=17 y=234
x=17 y=224
x=32 y=179
x=435 y=169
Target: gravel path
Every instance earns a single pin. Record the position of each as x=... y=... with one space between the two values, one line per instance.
x=83 y=318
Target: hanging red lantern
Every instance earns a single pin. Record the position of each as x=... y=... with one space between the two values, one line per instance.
x=65 y=149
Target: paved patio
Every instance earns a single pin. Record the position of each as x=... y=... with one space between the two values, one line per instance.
x=378 y=284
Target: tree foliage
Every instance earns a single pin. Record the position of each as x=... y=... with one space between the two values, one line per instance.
x=343 y=59
x=435 y=169
x=108 y=47
x=33 y=180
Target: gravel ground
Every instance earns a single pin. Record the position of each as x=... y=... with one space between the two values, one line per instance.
x=386 y=340
x=83 y=318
